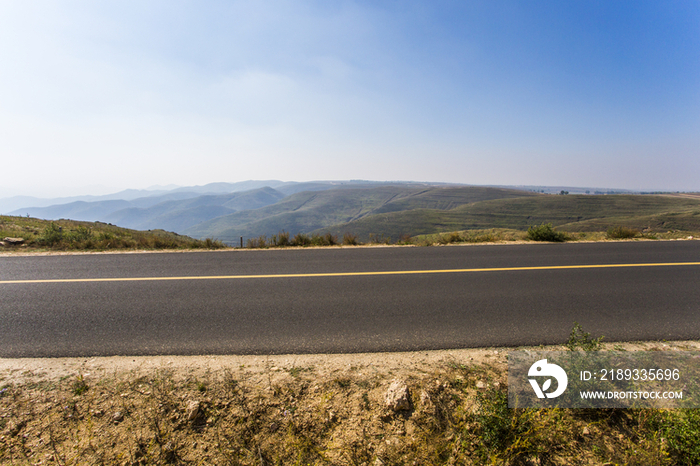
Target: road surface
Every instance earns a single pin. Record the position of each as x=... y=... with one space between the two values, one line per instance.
x=346 y=300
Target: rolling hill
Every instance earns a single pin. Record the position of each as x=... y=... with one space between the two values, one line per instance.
x=228 y=211
x=344 y=205
x=568 y=213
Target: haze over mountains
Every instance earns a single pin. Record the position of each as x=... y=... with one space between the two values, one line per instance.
x=179 y=209
x=228 y=211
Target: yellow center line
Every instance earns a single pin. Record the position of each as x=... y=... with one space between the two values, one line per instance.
x=346 y=274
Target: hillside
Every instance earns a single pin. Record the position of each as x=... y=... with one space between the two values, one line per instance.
x=313 y=210
x=30 y=234
x=569 y=213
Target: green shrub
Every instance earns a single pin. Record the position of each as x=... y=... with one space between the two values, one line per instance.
x=105 y=236
x=545 y=232
x=622 y=233
x=580 y=339
x=81 y=234
x=681 y=429
x=504 y=432
x=52 y=235
x=448 y=238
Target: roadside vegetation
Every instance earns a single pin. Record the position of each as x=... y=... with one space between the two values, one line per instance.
x=621 y=232
x=542 y=233
x=22 y=233
x=454 y=412
x=30 y=234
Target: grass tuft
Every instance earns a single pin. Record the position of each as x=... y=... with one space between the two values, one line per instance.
x=578 y=339
x=622 y=233
x=79 y=386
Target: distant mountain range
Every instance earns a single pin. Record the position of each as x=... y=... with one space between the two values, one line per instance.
x=184 y=208
x=228 y=211
x=146 y=197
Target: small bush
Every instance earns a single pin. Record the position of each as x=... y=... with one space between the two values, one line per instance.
x=211 y=243
x=405 y=239
x=105 y=236
x=81 y=234
x=260 y=242
x=545 y=232
x=349 y=239
x=449 y=238
x=330 y=239
x=281 y=239
x=52 y=235
x=378 y=239
x=505 y=432
x=681 y=429
x=622 y=233
x=480 y=238
x=301 y=239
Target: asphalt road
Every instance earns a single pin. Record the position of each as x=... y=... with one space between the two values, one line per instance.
x=346 y=300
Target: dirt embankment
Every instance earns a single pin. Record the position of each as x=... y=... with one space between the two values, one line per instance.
x=436 y=407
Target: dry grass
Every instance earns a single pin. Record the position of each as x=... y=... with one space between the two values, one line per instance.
x=290 y=414
x=70 y=235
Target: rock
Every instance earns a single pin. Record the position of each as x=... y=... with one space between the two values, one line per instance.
x=14 y=427
x=192 y=410
x=13 y=241
x=480 y=385
x=118 y=416
x=397 y=397
x=586 y=431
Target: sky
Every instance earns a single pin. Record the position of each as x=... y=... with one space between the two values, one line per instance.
x=96 y=97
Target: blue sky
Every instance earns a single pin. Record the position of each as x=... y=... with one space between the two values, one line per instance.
x=102 y=96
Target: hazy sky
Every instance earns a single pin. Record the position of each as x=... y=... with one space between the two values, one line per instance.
x=103 y=96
